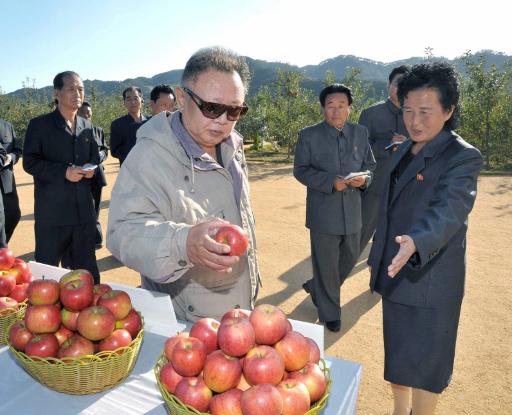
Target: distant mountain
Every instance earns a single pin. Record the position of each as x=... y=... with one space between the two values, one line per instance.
x=264 y=72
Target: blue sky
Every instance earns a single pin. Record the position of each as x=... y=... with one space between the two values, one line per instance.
x=119 y=39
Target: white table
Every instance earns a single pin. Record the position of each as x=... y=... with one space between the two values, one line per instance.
x=138 y=394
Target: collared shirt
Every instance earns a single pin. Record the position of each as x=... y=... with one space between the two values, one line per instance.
x=123 y=135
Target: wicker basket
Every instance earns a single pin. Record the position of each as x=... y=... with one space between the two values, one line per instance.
x=7 y=317
x=175 y=407
x=83 y=375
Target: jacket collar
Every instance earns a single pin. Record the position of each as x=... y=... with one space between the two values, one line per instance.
x=60 y=122
x=334 y=132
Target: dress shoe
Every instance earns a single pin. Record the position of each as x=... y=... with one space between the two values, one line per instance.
x=334 y=325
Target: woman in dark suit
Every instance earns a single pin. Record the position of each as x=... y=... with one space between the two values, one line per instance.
x=418 y=256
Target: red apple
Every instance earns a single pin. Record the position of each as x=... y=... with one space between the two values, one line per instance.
x=221 y=372
x=235 y=336
x=119 y=338
x=69 y=318
x=294 y=349
x=237 y=313
x=171 y=342
x=188 y=356
x=76 y=346
x=314 y=379
x=269 y=324
x=118 y=302
x=6 y=258
x=43 y=318
x=263 y=364
x=295 y=397
x=227 y=403
x=63 y=334
x=77 y=274
x=24 y=275
x=132 y=322
x=7 y=283
x=95 y=323
x=235 y=237
x=192 y=391
x=19 y=292
x=41 y=292
x=262 y=399
x=42 y=345
x=205 y=329
x=98 y=290
x=76 y=295
x=7 y=302
x=19 y=335
x=169 y=377
x=314 y=350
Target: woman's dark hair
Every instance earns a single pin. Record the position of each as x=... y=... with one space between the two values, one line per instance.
x=58 y=81
x=219 y=59
x=440 y=76
x=335 y=89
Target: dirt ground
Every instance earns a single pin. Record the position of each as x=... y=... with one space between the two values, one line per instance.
x=482 y=380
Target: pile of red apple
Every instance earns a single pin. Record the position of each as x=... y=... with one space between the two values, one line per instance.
x=15 y=277
x=251 y=363
x=73 y=317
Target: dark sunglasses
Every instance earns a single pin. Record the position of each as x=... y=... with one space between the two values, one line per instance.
x=214 y=110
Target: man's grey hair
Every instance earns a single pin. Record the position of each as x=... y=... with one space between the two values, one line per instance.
x=219 y=59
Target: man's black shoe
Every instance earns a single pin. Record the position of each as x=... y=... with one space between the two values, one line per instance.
x=334 y=325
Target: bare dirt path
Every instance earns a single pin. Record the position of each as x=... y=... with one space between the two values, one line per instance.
x=482 y=381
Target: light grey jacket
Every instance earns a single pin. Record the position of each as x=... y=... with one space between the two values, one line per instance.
x=158 y=196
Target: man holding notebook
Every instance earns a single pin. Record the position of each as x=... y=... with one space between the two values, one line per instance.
x=334 y=160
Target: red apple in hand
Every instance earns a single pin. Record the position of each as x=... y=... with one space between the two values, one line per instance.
x=76 y=346
x=7 y=283
x=235 y=237
x=19 y=335
x=95 y=323
x=171 y=342
x=262 y=400
x=227 y=403
x=295 y=397
x=192 y=391
x=132 y=322
x=42 y=345
x=7 y=302
x=42 y=292
x=169 y=377
x=263 y=364
x=69 y=318
x=314 y=379
x=76 y=295
x=77 y=274
x=236 y=336
x=24 y=274
x=20 y=292
x=6 y=258
x=205 y=329
x=269 y=322
x=118 y=302
x=118 y=338
x=221 y=372
x=294 y=349
x=43 y=318
x=188 y=356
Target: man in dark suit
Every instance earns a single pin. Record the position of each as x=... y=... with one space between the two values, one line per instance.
x=57 y=146
x=385 y=127
x=325 y=154
x=99 y=181
x=123 y=130
x=11 y=202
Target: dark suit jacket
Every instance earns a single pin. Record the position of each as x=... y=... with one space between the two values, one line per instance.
x=123 y=136
x=50 y=148
x=100 y=179
x=12 y=147
x=430 y=202
x=321 y=154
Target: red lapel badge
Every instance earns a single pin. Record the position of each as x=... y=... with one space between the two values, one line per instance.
x=419 y=177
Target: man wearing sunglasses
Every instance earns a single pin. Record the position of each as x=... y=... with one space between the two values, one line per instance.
x=186 y=178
